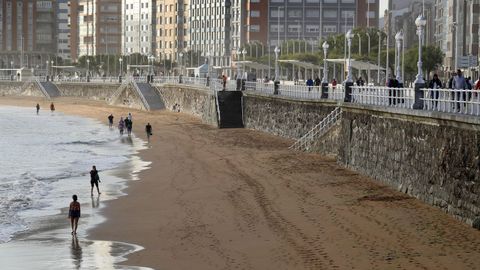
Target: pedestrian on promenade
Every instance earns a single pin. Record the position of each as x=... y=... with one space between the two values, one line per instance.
x=224 y=82
x=74 y=214
x=360 y=82
x=435 y=84
x=148 y=130
x=110 y=120
x=318 y=82
x=94 y=179
x=129 y=116
x=392 y=93
x=38 y=107
x=459 y=86
x=309 y=84
x=52 y=107
x=334 y=83
x=121 y=126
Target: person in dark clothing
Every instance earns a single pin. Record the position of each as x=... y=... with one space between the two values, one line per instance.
x=38 y=107
x=318 y=82
x=392 y=93
x=129 y=125
x=309 y=84
x=360 y=82
x=434 y=84
x=52 y=107
x=74 y=214
x=110 y=120
x=94 y=179
x=148 y=130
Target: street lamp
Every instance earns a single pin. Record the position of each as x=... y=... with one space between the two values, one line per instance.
x=398 y=52
x=244 y=52
x=420 y=22
x=276 y=51
x=325 y=47
x=121 y=65
x=378 y=57
x=88 y=67
x=359 y=44
x=48 y=69
x=349 y=37
x=368 y=36
x=53 y=71
x=180 y=55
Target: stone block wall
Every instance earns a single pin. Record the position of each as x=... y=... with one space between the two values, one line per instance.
x=282 y=117
x=14 y=88
x=95 y=91
x=199 y=102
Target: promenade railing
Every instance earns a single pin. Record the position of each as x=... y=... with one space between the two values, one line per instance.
x=384 y=96
x=452 y=101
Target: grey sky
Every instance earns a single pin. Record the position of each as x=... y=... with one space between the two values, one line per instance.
x=383 y=6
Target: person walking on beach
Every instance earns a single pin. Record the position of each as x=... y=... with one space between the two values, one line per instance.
x=121 y=125
x=52 y=107
x=129 y=116
x=38 y=107
x=74 y=214
x=129 y=127
x=148 y=130
x=94 y=179
x=110 y=120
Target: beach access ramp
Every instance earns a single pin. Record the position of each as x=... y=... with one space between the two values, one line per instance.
x=150 y=96
x=49 y=89
x=230 y=109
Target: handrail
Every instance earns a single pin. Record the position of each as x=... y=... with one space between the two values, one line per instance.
x=119 y=90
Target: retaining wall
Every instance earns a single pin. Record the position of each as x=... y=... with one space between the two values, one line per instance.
x=433 y=157
x=196 y=101
x=95 y=91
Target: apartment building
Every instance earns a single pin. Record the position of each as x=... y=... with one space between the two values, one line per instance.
x=211 y=30
x=63 y=29
x=99 y=27
x=172 y=35
x=138 y=26
x=312 y=19
x=27 y=28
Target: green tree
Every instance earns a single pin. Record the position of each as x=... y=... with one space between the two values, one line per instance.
x=432 y=58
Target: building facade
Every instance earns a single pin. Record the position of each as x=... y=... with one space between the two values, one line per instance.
x=99 y=27
x=138 y=26
x=211 y=30
x=27 y=33
x=63 y=29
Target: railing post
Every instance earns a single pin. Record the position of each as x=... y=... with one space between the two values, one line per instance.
x=418 y=102
x=324 y=90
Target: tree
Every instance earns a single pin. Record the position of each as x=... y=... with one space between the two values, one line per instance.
x=432 y=58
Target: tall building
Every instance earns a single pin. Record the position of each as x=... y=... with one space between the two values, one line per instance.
x=63 y=29
x=245 y=13
x=138 y=26
x=312 y=19
x=99 y=27
x=27 y=28
x=210 y=30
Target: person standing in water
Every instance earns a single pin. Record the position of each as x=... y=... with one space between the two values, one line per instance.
x=74 y=214
x=94 y=179
x=38 y=107
x=121 y=126
x=148 y=130
x=110 y=120
x=52 y=107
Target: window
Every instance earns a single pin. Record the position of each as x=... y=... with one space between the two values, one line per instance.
x=275 y=13
x=330 y=28
x=313 y=13
x=330 y=13
x=348 y=14
x=254 y=13
x=276 y=28
x=294 y=28
x=254 y=28
x=312 y=28
x=296 y=13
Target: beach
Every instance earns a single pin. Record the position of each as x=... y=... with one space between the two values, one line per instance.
x=240 y=199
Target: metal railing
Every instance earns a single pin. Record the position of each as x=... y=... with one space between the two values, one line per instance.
x=452 y=101
x=384 y=96
x=264 y=88
x=119 y=90
x=306 y=141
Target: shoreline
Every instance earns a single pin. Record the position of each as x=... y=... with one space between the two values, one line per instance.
x=224 y=199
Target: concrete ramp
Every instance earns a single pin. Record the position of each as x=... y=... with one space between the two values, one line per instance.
x=230 y=109
x=150 y=96
x=49 y=89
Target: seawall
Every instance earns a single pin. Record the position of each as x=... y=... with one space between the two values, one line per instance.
x=433 y=157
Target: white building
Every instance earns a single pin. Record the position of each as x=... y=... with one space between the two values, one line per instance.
x=63 y=30
x=138 y=26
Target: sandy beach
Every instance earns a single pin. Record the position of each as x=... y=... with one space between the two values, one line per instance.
x=239 y=199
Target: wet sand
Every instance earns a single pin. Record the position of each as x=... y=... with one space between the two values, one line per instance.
x=239 y=199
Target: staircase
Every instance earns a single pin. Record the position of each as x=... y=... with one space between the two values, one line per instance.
x=306 y=141
x=230 y=111
x=118 y=92
x=150 y=97
x=49 y=89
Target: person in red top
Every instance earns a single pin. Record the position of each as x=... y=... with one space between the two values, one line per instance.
x=334 y=83
x=74 y=214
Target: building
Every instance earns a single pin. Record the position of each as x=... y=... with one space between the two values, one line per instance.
x=63 y=29
x=211 y=30
x=27 y=33
x=138 y=26
x=172 y=35
x=313 y=19
x=99 y=27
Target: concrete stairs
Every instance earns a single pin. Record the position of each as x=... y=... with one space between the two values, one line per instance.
x=51 y=89
x=150 y=96
x=230 y=109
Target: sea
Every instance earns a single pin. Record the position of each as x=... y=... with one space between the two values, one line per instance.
x=44 y=160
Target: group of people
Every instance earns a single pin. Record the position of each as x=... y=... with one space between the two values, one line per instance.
x=123 y=124
x=74 y=211
x=52 y=107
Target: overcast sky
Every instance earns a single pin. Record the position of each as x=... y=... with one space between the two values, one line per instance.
x=383 y=6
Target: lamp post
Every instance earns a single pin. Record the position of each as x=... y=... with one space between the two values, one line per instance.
x=325 y=47
x=276 y=83
x=51 y=67
x=244 y=52
x=121 y=66
x=88 y=70
x=349 y=81
x=378 y=57
x=368 y=36
x=48 y=69
x=398 y=52
x=359 y=44
x=180 y=56
x=420 y=22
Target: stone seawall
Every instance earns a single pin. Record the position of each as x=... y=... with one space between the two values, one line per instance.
x=199 y=102
x=95 y=91
x=433 y=157
x=14 y=88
